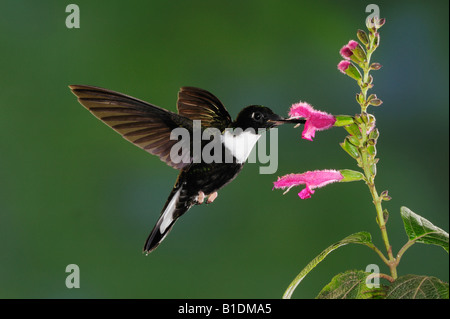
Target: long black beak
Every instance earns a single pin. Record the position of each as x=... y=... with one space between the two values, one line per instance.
x=278 y=120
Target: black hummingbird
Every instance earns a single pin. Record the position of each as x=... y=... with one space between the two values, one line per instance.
x=149 y=127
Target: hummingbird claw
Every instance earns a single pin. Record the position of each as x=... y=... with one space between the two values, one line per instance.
x=200 y=197
x=211 y=197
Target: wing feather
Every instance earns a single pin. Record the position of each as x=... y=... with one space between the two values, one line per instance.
x=144 y=124
x=199 y=104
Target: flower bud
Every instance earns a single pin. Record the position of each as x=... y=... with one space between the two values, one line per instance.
x=385 y=217
x=359 y=53
x=350 y=69
x=362 y=36
x=385 y=196
x=376 y=40
x=379 y=22
x=375 y=102
x=350 y=148
x=353 y=129
x=375 y=66
x=370 y=23
x=353 y=51
x=373 y=169
x=354 y=140
x=358 y=119
x=372 y=150
x=370 y=124
x=371 y=97
x=360 y=98
x=374 y=134
x=345 y=52
x=343 y=66
x=365 y=117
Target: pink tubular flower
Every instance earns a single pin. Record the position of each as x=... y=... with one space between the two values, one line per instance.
x=352 y=44
x=315 y=120
x=312 y=179
x=347 y=49
x=346 y=52
x=343 y=65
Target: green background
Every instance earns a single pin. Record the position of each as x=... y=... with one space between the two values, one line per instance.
x=73 y=191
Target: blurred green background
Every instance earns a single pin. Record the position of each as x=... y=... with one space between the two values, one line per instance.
x=73 y=191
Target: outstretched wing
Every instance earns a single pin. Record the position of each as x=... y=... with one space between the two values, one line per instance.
x=145 y=125
x=198 y=104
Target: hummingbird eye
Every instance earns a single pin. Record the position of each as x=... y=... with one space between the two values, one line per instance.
x=257 y=116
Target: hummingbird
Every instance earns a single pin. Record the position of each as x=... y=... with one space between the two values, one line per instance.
x=149 y=127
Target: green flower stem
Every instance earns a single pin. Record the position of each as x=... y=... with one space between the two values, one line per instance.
x=365 y=85
x=392 y=263
x=367 y=162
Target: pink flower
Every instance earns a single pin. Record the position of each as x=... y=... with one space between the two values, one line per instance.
x=347 y=49
x=343 y=65
x=315 y=120
x=312 y=180
x=352 y=44
x=346 y=52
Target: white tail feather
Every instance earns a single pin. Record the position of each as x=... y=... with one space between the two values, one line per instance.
x=167 y=216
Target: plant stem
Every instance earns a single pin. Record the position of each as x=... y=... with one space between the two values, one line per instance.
x=368 y=164
x=375 y=249
x=374 y=275
x=382 y=223
x=403 y=249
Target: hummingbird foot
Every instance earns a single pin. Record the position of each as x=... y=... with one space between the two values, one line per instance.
x=211 y=197
x=200 y=198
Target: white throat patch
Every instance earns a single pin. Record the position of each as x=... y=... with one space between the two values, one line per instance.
x=240 y=145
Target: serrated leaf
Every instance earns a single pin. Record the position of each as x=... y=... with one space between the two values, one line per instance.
x=417 y=287
x=420 y=230
x=358 y=238
x=350 y=285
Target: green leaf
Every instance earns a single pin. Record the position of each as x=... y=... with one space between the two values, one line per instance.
x=350 y=285
x=358 y=238
x=421 y=230
x=417 y=287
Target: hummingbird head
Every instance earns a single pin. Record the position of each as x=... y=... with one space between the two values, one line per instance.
x=258 y=116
